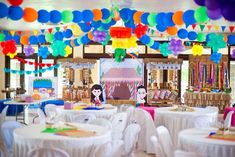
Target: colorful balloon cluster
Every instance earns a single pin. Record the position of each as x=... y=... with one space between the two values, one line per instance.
x=29 y=50
x=9 y=48
x=176 y=46
x=124 y=43
x=164 y=49
x=216 y=57
x=119 y=55
x=216 y=41
x=99 y=36
x=197 y=50
x=218 y=8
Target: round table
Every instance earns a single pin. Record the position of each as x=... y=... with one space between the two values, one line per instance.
x=175 y=121
x=196 y=140
x=103 y=113
x=31 y=137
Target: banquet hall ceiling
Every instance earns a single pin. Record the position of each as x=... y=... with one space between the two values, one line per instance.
x=141 y=5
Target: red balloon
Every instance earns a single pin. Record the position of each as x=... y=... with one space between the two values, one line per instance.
x=15 y=2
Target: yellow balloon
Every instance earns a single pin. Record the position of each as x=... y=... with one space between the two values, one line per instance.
x=197 y=50
x=12 y=55
x=68 y=51
x=76 y=30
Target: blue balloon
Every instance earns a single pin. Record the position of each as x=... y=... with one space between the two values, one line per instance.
x=67 y=42
x=58 y=36
x=3 y=10
x=85 y=39
x=41 y=39
x=15 y=13
x=95 y=24
x=77 y=16
x=160 y=18
x=145 y=39
x=76 y=42
x=33 y=40
x=105 y=26
x=155 y=45
x=105 y=13
x=68 y=33
x=168 y=20
x=87 y=15
x=8 y=37
x=55 y=16
x=182 y=33
x=144 y=18
x=5 y=32
x=231 y=39
x=161 y=27
x=188 y=17
x=192 y=35
x=130 y=24
x=16 y=38
x=125 y=14
x=112 y=22
x=43 y=16
x=84 y=27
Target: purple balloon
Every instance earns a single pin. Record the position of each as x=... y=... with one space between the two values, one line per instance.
x=228 y=11
x=212 y=4
x=233 y=53
x=214 y=14
x=200 y=2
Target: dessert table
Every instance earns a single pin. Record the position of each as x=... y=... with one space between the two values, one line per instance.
x=175 y=121
x=31 y=137
x=196 y=140
x=105 y=112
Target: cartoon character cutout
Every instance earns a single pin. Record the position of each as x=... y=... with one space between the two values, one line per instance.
x=97 y=94
x=141 y=96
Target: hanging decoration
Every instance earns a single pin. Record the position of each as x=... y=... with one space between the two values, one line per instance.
x=15 y=2
x=43 y=52
x=29 y=50
x=119 y=55
x=164 y=49
x=120 y=32
x=176 y=46
x=68 y=51
x=216 y=41
x=9 y=48
x=140 y=30
x=24 y=61
x=197 y=50
x=58 y=48
x=124 y=43
x=22 y=72
x=99 y=36
x=233 y=53
x=216 y=57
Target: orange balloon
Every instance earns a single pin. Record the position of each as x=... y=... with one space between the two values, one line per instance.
x=137 y=17
x=172 y=30
x=97 y=14
x=30 y=15
x=24 y=40
x=225 y=38
x=178 y=18
x=90 y=36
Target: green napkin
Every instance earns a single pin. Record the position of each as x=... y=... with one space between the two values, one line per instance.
x=54 y=130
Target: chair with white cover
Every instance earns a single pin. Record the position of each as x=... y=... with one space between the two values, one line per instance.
x=3 y=115
x=180 y=153
x=41 y=117
x=158 y=149
x=47 y=152
x=123 y=107
x=144 y=119
x=7 y=129
x=165 y=141
x=101 y=122
x=130 y=139
x=81 y=118
x=130 y=114
x=119 y=122
x=228 y=119
x=50 y=110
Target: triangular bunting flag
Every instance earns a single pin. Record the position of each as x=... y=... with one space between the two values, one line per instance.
x=223 y=28
x=202 y=27
x=35 y=32
x=42 y=30
x=50 y=30
x=216 y=28
x=231 y=28
x=12 y=33
x=209 y=27
x=57 y=29
x=19 y=32
x=152 y=31
x=194 y=26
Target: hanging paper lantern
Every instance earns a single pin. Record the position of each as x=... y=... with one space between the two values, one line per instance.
x=67 y=16
x=201 y=37
x=176 y=46
x=29 y=50
x=172 y=30
x=97 y=14
x=200 y=15
x=15 y=13
x=58 y=48
x=43 y=52
x=43 y=16
x=216 y=57
x=119 y=55
x=164 y=49
x=188 y=17
x=182 y=33
x=178 y=18
x=216 y=42
x=30 y=15
x=3 y=10
x=77 y=16
x=87 y=15
x=15 y=2
x=140 y=30
x=197 y=50
x=24 y=40
x=55 y=16
x=49 y=37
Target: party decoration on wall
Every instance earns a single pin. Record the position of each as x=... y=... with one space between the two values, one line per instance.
x=176 y=46
x=30 y=15
x=216 y=57
x=29 y=50
x=233 y=53
x=43 y=52
x=216 y=41
x=24 y=61
x=119 y=55
x=99 y=36
x=9 y=48
x=3 y=10
x=201 y=37
x=15 y=13
x=120 y=32
x=68 y=51
x=197 y=50
x=164 y=49
x=2 y=37
x=200 y=15
x=58 y=48
x=15 y=2
x=178 y=18
x=140 y=30
x=67 y=16
x=188 y=17
x=124 y=43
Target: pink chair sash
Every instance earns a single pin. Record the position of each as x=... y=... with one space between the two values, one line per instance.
x=150 y=110
x=227 y=109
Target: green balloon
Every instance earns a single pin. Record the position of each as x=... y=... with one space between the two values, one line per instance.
x=67 y=16
x=49 y=37
x=2 y=37
x=150 y=43
x=201 y=37
x=79 y=40
x=152 y=19
x=200 y=15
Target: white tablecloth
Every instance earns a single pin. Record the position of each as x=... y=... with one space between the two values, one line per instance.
x=176 y=121
x=30 y=137
x=104 y=113
x=195 y=140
